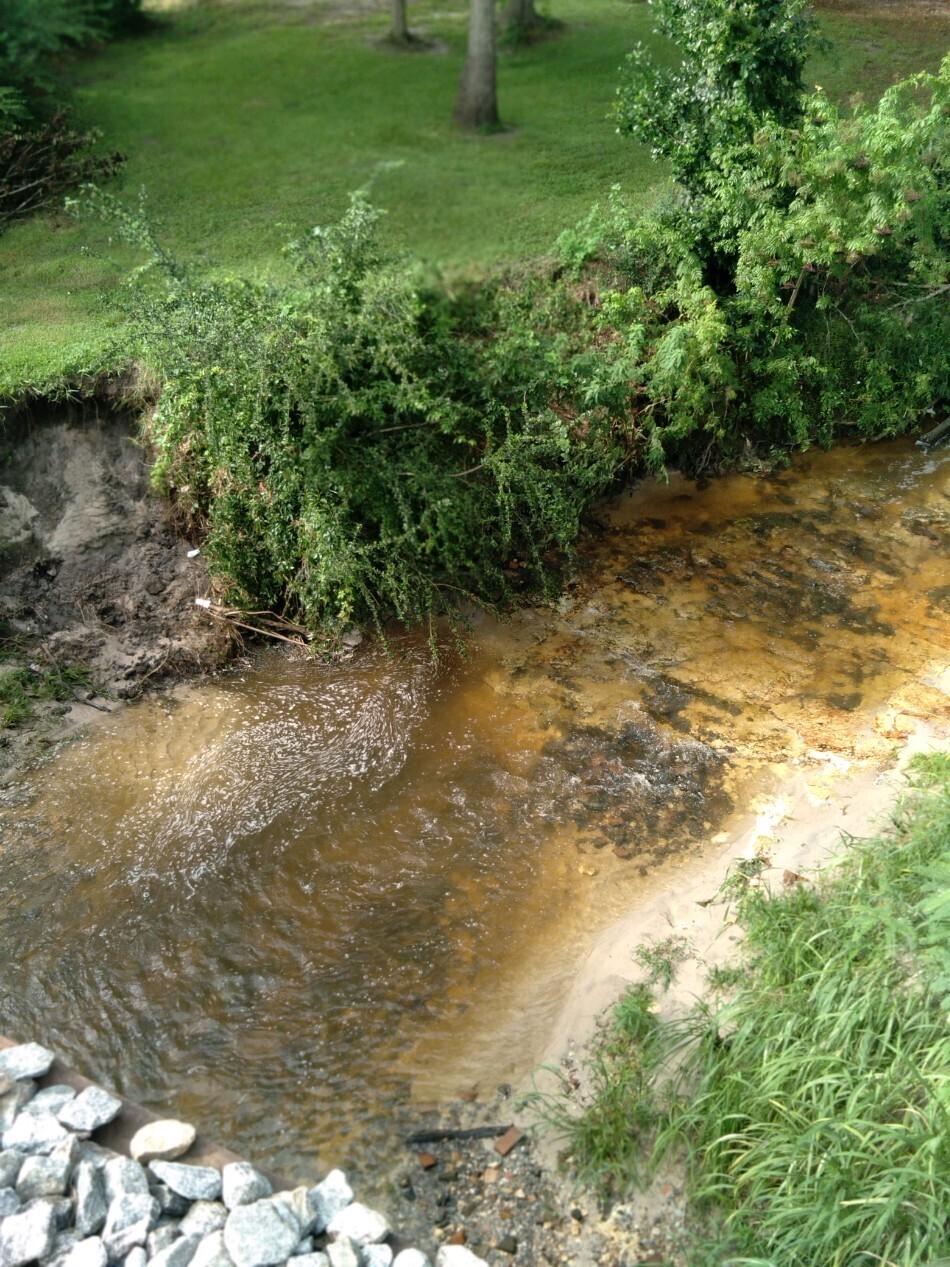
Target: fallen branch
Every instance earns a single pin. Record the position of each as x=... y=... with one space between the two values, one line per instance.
x=473 y=1132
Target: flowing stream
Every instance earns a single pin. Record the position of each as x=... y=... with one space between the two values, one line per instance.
x=295 y=901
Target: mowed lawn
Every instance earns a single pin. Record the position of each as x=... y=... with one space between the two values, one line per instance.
x=245 y=122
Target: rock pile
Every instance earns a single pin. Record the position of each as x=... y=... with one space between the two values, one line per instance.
x=65 y=1201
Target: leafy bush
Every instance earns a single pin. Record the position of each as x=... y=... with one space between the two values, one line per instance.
x=355 y=447
x=799 y=288
x=741 y=64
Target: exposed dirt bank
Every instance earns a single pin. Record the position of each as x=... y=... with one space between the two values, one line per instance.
x=93 y=570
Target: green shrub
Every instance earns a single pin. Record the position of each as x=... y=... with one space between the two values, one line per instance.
x=799 y=289
x=355 y=446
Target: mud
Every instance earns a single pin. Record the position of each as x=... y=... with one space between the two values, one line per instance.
x=93 y=569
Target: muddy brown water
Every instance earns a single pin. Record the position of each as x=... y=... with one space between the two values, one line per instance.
x=295 y=901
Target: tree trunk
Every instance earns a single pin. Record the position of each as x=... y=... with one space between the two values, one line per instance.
x=400 y=29
x=477 y=103
x=521 y=15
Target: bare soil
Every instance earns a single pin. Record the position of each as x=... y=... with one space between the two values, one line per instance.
x=93 y=569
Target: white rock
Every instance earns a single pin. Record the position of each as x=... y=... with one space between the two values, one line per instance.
x=344 y=1253
x=162 y=1141
x=9 y=1202
x=28 y=1235
x=10 y=1163
x=91 y=1204
x=89 y=1110
x=360 y=1224
x=203 y=1218
x=377 y=1256
x=302 y=1205
x=50 y=1099
x=89 y=1252
x=14 y=1101
x=330 y=1197
x=260 y=1234
x=178 y=1254
x=169 y=1202
x=122 y=1175
x=29 y=1060
x=42 y=1177
x=161 y=1238
x=241 y=1184
x=412 y=1258
x=212 y=1253
x=310 y=1259
x=69 y=1151
x=61 y=1207
x=34 y=1134
x=130 y=1218
x=197 y=1183
x=457 y=1256
x=136 y=1257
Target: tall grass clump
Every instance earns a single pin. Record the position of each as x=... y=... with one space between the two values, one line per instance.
x=812 y=1104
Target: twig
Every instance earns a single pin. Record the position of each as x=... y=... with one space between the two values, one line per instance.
x=473 y=1132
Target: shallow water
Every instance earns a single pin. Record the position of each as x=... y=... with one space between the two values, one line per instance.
x=293 y=902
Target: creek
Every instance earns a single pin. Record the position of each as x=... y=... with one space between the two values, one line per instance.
x=297 y=901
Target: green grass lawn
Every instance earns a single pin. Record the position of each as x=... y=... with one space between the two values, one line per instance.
x=247 y=122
